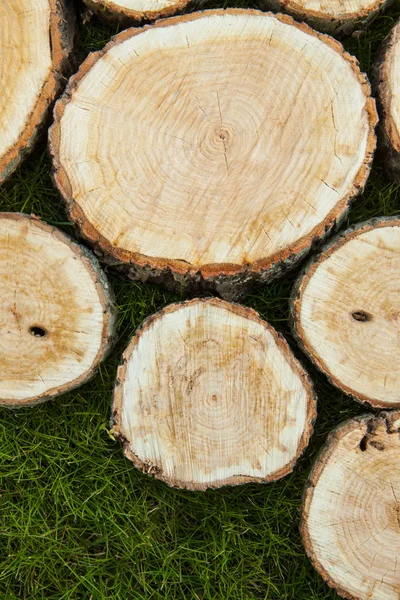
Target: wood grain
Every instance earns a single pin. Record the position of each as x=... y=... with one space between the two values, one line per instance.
x=135 y=12
x=56 y=312
x=345 y=311
x=36 y=39
x=386 y=78
x=351 y=509
x=208 y=394
x=336 y=17
x=210 y=150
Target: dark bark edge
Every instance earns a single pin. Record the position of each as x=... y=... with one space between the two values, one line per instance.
x=106 y=297
x=237 y=479
x=296 y=296
x=366 y=423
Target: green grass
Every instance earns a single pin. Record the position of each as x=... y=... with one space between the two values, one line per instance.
x=77 y=521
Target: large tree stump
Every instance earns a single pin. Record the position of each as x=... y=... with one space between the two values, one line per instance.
x=56 y=312
x=336 y=17
x=346 y=312
x=208 y=394
x=35 y=44
x=134 y=12
x=387 y=80
x=351 y=510
x=211 y=150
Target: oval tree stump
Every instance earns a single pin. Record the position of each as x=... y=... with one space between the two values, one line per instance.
x=387 y=79
x=200 y=176
x=133 y=12
x=345 y=312
x=336 y=17
x=35 y=45
x=208 y=394
x=351 y=510
x=56 y=312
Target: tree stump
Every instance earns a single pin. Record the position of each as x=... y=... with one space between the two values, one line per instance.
x=351 y=510
x=208 y=394
x=345 y=312
x=336 y=17
x=387 y=79
x=56 y=312
x=35 y=45
x=213 y=148
x=133 y=12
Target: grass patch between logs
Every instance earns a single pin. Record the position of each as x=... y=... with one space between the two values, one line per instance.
x=78 y=521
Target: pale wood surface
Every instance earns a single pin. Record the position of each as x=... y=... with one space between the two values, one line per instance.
x=351 y=510
x=134 y=12
x=387 y=74
x=346 y=312
x=208 y=394
x=56 y=312
x=35 y=44
x=336 y=17
x=211 y=145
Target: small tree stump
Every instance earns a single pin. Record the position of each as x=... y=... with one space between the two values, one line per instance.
x=134 y=12
x=346 y=312
x=35 y=44
x=208 y=394
x=387 y=79
x=213 y=148
x=56 y=312
x=351 y=510
x=336 y=17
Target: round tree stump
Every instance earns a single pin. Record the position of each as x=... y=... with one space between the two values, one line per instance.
x=351 y=510
x=387 y=76
x=345 y=311
x=56 y=312
x=336 y=17
x=208 y=394
x=134 y=12
x=35 y=45
x=213 y=148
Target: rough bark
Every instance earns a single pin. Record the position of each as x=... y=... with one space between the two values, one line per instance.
x=211 y=179
x=386 y=75
x=345 y=311
x=36 y=39
x=339 y=18
x=351 y=509
x=208 y=394
x=56 y=312
x=127 y=13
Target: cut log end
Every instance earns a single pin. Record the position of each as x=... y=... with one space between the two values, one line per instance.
x=202 y=178
x=208 y=394
x=127 y=13
x=345 y=311
x=351 y=509
x=36 y=39
x=56 y=312
x=339 y=18
x=387 y=78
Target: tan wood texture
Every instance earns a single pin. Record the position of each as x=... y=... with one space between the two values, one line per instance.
x=387 y=76
x=351 y=510
x=208 y=394
x=36 y=39
x=56 y=312
x=346 y=315
x=210 y=150
x=133 y=12
x=336 y=17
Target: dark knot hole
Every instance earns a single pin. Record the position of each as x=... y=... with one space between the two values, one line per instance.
x=37 y=331
x=361 y=315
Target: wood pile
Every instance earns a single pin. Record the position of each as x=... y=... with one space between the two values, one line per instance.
x=210 y=152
